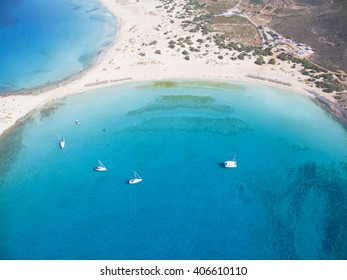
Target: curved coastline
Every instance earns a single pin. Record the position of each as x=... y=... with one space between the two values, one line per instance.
x=75 y=76
x=21 y=103
x=121 y=63
x=109 y=37
x=196 y=128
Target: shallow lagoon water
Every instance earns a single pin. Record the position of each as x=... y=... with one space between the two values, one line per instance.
x=40 y=38
x=285 y=200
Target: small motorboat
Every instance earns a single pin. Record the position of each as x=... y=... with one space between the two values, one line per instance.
x=62 y=143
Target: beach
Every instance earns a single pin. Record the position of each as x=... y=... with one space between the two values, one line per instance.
x=174 y=118
x=141 y=53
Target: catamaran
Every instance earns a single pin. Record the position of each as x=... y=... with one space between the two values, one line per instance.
x=230 y=163
x=100 y=167
x=136 y=180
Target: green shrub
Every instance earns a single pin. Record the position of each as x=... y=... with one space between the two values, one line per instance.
x=260 y=61
x=282 y=56
x=272 y=61
x=172 y=44
x=241 y=56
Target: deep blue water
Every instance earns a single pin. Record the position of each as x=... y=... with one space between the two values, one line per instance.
x=286 y=199
x=39 y=39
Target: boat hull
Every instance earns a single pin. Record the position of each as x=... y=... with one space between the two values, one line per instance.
x=135 y=181
x=100 y=168
x=62 y=144
x=230 y=164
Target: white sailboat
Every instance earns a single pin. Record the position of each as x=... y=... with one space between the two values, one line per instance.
x=230 y=163
x=100 y=167
x=136 y=180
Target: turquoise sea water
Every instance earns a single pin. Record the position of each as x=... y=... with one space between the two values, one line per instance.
x=286 y=199
x=39 y=39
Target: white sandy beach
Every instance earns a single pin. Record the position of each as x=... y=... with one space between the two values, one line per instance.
x=141 y=23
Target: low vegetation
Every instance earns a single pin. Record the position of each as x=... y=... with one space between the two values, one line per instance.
x=234 y=38
x=319 y=76
x=260 y=60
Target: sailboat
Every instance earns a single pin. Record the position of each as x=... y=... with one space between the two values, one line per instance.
x=100 y=167
x=230 y=163
x=136 y=180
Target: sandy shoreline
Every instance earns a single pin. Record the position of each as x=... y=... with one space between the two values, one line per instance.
x=132 y=57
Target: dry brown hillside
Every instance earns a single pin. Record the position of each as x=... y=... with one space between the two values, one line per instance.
x=321 y=24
